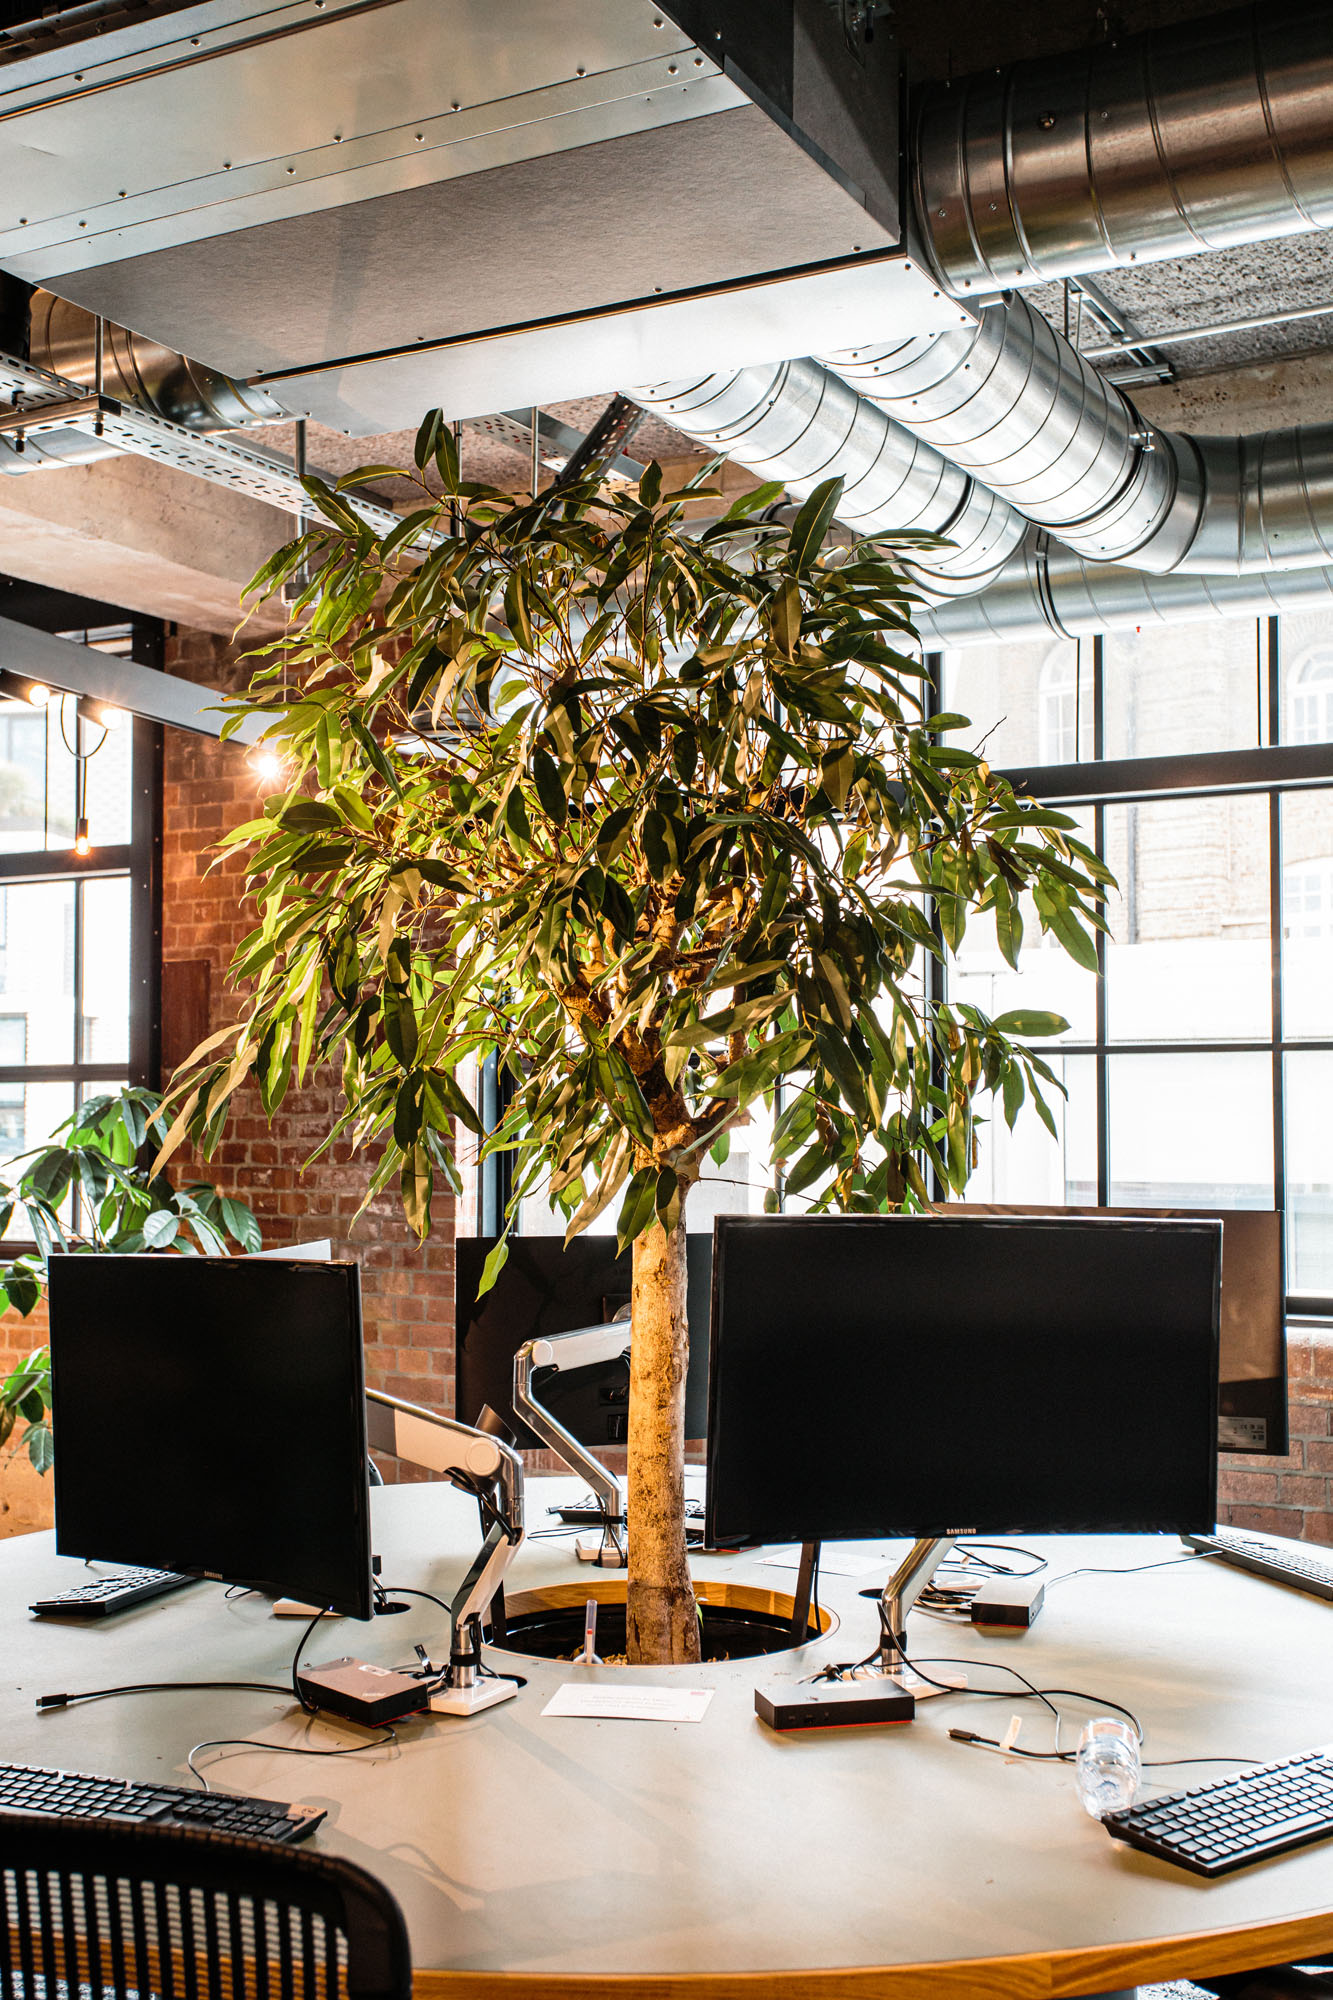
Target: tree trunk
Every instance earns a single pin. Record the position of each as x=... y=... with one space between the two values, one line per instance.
x=662 y=1625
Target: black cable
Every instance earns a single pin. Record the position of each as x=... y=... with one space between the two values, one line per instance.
x=284 y=1749
x=158 y=1687
x=403 y=1590
x=1137 y=1569
x=969 y=1549
x=310 y=1707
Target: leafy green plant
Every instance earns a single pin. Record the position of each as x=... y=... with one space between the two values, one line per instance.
x=26 y=1393
x=659 y=819
x=101 y=1155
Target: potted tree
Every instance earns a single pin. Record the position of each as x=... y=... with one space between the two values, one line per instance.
x=659 y=819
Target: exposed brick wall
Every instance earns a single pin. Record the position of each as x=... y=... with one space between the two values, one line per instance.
x=1291 y=1495
x=407 y=1290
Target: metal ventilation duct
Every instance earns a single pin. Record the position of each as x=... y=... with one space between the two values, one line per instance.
x=379 y=205
x=1045 y=589
x=798 y=422
x=1208 y=133
x=1013 y=404
x=62 y=339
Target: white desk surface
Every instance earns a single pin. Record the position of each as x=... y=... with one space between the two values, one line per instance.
x=586 y=1857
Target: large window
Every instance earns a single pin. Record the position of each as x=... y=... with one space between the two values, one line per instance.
x=1199 y=1058
x=79 y=933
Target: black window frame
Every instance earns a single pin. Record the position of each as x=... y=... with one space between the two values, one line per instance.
x=1270 y=769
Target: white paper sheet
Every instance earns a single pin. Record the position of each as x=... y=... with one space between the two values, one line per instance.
x=610 y=1701
x=829 y=1565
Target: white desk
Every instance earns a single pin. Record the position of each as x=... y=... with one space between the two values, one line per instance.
x=555 y=1859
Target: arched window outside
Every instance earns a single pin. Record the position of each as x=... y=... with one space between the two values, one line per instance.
x=1057 y=707
x=1310 y=698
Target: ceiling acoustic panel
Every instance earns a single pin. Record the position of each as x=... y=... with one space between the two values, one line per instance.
x=377 y=203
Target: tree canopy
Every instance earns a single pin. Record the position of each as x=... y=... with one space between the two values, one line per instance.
x=660 y=818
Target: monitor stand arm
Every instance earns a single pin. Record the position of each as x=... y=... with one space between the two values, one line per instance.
x=479 y=1463
x=901 y=1592
x=583 y=1347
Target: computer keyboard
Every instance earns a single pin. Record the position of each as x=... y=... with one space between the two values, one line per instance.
x=111 y=1593
x=1238 y=1820
x=80 y=1796
x=1306 y=1570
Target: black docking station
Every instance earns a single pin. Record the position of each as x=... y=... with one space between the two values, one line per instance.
x=1008 y=1603
x=362 y=1693
x=833 y=1704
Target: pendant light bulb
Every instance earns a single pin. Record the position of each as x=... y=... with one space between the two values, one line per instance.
x=82 y=843
x=38 y=694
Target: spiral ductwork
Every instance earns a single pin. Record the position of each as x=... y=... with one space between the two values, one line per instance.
x=1013 y=404
x=798 y=422
x=1044 y=589
x=62 y=338
x=1206 y=134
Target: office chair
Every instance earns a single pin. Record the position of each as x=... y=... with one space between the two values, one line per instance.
x=178 y=1913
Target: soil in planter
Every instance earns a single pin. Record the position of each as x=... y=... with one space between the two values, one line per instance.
x=727 y=1633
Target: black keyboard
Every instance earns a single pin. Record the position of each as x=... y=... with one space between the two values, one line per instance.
x=1307 y=1570
x=111 y=1593
x=118 y=1800
x=1238 y=1820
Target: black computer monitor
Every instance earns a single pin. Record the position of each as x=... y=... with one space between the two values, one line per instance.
x=211 y=1418
x=545 y=1288
x=1252 y=1363
x=916 y=1375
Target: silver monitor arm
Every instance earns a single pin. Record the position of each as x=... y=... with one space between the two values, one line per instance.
x=901 y=1592
x=582 y=1347
x=490 y=1470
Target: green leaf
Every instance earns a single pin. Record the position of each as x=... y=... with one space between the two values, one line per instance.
x=750 y=503
x=1008 y=924
x=446 y=458
x=1056 y=916
x=785 y=613
x=637 y=1208
x=242 y=1224
x=400 y=1026
x=1027 y=1022
x=416 y=1183
x=161 y=1229
x=495 y=1263
x=813 y=523
x=431 y=428
x=1014 y=1093
x=650 y=486
x=549 y=789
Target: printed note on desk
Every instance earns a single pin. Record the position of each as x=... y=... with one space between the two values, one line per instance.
x=608 y=1701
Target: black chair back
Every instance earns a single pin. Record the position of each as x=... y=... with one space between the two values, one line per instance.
x=90 y=1911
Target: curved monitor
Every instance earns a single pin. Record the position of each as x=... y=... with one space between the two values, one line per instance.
x=873 y=1376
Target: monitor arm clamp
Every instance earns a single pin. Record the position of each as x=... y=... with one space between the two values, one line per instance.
x=582 y=1347
x=479 y=1463
x=901 y=1592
